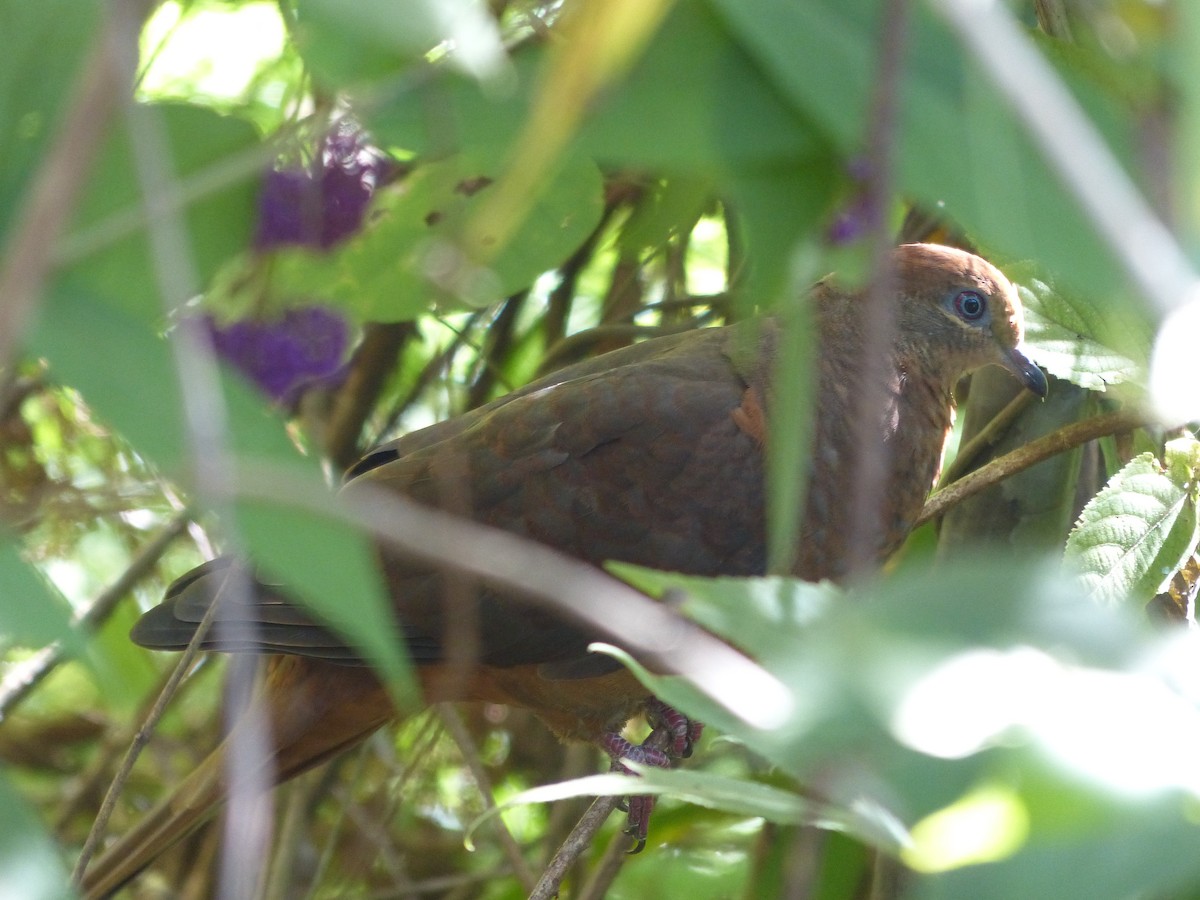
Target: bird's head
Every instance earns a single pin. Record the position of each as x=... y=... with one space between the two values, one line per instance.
x=958 y=313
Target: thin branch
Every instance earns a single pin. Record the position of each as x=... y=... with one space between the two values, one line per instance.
x=508 y=844
x=573 y=847
x=609 y=867
x=988 y=435
x=374 y=362
x=140 y=740
x=1060 y=441
x=877 y=315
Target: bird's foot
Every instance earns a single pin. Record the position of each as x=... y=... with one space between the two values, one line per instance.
x=672 y=736
x=683 y=733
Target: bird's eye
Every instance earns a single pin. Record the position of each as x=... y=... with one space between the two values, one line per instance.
x=969 y=305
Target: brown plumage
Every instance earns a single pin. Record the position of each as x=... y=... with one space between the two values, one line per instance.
x=652 y=454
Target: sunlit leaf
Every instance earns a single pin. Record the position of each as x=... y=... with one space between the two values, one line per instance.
x=31 y=614
x=734 y=795
x=1134 y=535
x=1074 y=340
x=372 y=39
x=412 y=253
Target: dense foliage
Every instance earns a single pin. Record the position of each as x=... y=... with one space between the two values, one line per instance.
x=242 y=241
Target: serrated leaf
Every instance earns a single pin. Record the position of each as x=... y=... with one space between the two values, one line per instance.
x=1133 y=536
x=1074 y=340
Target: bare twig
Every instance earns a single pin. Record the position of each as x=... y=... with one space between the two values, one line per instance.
x=609 y=867
x=508 y=844
x=988 y=435
x=374 y=362
x=877 y=314
x=1060 y=441
x=577 y=842
x=182 y=667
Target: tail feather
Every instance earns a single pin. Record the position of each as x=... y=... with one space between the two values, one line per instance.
x=313 y=718
x=191 y=804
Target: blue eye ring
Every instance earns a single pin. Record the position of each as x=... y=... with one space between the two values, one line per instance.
x=970 y=305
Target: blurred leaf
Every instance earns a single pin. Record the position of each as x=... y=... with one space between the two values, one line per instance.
x=733 y=795
x=333 y=569
x=126 y=374
x=108 y=245
x=122 y=368
x=694 y=103
x=1134 y=535
x=954 y=136
x=349 y=43
x=751 y=612
x=31 y=614
x=697 y=102
x=34 y=84
x=30 y=865
x=1091 y=865
x=669 y=207
x=411 y=253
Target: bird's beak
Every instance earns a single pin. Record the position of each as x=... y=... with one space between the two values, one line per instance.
x=1026 y=371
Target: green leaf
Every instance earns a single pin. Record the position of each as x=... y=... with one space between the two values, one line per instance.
x=411 y=253
x=751 y=612
x=108 y=247
x=126 y=373
x=31 y=614
x=30 y=864
x=333 y=569
x=733 y=795
x=350 y=43
x=1134 y=535
x=697 y=102
x=1075 y=340
x=960 y=148
x=1088 y=863
x=34 y=84
x=694 y=103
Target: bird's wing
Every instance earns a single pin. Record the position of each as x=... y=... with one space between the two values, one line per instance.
x=636 y=456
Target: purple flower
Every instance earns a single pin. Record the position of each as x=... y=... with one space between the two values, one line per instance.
x=324 y=203
x=853 y=219
x=304 y=347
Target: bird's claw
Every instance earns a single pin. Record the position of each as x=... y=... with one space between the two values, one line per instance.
x=672 y=736
x=682 y=733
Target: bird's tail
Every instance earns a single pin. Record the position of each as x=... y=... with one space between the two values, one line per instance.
x=175 y=816
x=313 y=717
